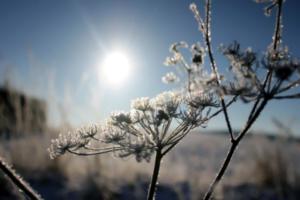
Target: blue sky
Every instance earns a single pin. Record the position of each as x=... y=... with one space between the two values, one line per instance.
x=53 y=49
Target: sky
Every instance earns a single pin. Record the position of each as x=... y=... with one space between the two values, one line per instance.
x=53 y=49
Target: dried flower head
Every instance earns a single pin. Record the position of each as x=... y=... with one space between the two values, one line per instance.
x=142 y=104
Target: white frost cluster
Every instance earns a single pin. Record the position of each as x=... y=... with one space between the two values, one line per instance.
x=136 y=133
x=141 y=104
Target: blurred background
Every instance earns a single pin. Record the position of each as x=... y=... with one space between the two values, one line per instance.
x=67 y=63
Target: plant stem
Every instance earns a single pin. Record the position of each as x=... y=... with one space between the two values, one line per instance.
x=256 y=110
x=277 y=33
x=153 y=184
x=222 y=171
x=207 y=38
x=232 y=149
x=18 y=182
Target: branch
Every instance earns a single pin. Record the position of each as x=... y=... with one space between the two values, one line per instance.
x=18 y=181
x=214 y=65
x=220 y=110
x=221 y=172
x=94 y=153
x=177 y=140
x=99 y=149
x=292 y=96
x=289 y=86
x=232 y=149
x=181 y=127
x=277 y=33
x=254 y=114
x=276 y=36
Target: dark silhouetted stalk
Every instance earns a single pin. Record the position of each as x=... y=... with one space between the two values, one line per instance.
x=214 y=65
x=232 y=149
x=18 y=181
x=258 y=106
x=153 y=184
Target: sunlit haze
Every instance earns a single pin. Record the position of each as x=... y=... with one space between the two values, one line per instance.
x=87 y=59
x=115 y=69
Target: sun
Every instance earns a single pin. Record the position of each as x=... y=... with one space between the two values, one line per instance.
x=115 y=68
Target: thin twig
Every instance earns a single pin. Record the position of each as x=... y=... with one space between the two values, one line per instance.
x=232 y=150
x=221 y=110
x=289 y=86
x=176 y=141
x=292 y=96
x=276 y=36
x=253 y=110
x=18 y=181
x=260 y=96
x=214 y=65
x=254 y=114
x=94 y=153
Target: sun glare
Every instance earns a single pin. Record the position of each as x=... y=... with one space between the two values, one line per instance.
x=115 y=68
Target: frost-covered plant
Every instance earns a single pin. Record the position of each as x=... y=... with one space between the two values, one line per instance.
x=155 y=126
x=256 y=79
